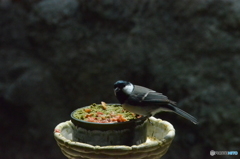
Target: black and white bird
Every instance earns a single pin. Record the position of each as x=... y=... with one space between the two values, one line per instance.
x=144 y=101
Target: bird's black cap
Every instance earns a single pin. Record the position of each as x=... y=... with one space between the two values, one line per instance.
x=120 y=84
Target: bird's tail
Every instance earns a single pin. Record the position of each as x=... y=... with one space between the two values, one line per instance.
x=184 y=114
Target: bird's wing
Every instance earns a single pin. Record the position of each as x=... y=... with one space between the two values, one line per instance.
x=154 y=102
x=155 y=97
x=149 y=96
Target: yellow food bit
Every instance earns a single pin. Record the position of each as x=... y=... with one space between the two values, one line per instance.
x=104 y=105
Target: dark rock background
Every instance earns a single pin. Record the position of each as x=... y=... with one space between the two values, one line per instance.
x=58 y=55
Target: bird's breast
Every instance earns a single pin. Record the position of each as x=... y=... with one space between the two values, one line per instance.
x=138 y=109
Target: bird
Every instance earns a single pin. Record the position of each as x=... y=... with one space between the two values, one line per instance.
x=144 y=101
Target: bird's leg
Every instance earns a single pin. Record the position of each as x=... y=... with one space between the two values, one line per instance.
x=148 y=116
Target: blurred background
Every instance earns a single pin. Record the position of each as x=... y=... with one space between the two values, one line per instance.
x=59 y=55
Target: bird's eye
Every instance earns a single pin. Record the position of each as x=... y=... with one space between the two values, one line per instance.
x=116 y=89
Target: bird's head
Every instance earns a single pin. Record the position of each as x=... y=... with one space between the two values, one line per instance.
x=122 y=89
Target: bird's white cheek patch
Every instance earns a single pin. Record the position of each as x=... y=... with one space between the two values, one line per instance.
x=128 y=89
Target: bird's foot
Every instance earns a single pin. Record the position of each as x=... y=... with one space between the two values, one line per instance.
x=148 y=116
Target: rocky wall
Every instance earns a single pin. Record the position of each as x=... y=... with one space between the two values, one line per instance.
x=58 y=55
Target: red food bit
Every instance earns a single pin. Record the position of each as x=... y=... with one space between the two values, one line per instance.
x=104 y=121
x=87 y=110
x=121 y=118
x=57 y=130
x=91 y=119
x=114 y=119
x=88 y=115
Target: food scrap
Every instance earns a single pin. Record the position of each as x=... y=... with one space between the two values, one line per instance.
x=104 y=113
